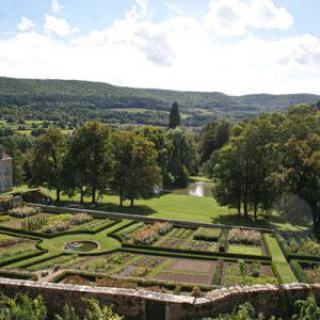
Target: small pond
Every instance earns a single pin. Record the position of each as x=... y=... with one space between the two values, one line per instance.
x=81 y=246
x=197 y=189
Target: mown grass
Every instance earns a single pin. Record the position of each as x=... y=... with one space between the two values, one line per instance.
x=244 y=249
x=182 y=208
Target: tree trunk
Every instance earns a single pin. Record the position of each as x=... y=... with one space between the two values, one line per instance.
x=255 y=211
x=131 y=202
x=245 y=208
x=94 y=195
x=58 y=195
x=81 y=195
x=121 y=197
x=239 y=208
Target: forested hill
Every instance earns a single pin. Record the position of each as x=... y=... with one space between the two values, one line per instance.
x=83 y=100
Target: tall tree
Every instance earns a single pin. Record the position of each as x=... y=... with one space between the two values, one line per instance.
x=163 y=146
x=300 y=170
x=174 y=117
x=136 y=171
x=243 y=169
x=182 y=158
x=90 y=159
x=213 y=136
x=47 y=160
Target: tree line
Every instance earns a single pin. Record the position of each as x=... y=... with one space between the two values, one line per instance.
x=133 y=163
x=267 y=159
x=270 y=162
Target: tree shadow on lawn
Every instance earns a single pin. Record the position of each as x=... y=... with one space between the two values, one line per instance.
x=235 y=220
x=274 y=222
x=111 y=207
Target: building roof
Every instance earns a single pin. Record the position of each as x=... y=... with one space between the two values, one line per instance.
x=4 y=156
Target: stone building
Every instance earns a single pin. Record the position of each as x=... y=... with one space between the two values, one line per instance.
x=6 y=179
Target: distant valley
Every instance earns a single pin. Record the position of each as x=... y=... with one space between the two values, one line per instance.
x=79 y=101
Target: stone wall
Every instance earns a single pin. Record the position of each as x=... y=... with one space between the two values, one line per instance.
x=147 y=305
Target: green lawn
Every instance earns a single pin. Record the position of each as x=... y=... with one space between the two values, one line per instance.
x=182 y=207
x=57 y=244
x=244 y=249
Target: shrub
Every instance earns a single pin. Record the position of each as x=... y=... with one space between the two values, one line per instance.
x=34 y=223
x=223 y=242
x=151 y=233
x=306 y=247
x=298 y=271
x=59 y=226
x=23 y=212
x=207 y=234
x=80 y=218
x=95 y=311
x=239 y=235
x=307 y=309
x=7 y=241
x=22 y=308
x=218 y=273
x=177 y=290
x=196 y=292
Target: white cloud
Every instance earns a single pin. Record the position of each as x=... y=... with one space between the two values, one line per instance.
x=56 y=7
x=25 y=24
x=236 y=17
x=58 y=26
x=177 y=53
x=142 y=4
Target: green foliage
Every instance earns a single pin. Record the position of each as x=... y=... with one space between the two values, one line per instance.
x=174 y=116
x=137 y=174
x=22 y=308
x=242 y=168
x=207 y=234
x=97 y=312
x=69 y=313
x=79 y=101
x=182 y=159
x=307 y=309
x=213 y=136
x=47 y=160
x=88 y=164
x=305 y=247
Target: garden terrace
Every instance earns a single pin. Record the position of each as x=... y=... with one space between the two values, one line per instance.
x=164 y=255
x=34 y=220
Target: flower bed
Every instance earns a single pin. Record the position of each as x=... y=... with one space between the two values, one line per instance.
x=239 y=235
x=14 y=246
x=151 y=233
x=242 y=273
x=23 y=212
x=32 y=220
x=302 y=246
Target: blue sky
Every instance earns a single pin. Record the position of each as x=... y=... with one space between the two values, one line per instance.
x=233 y=46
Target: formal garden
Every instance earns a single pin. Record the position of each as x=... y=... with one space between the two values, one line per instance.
x=73 y=246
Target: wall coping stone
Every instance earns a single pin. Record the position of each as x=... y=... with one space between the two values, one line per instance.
x=211 y=297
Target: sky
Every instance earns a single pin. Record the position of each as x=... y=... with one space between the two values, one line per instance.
x=231 y=46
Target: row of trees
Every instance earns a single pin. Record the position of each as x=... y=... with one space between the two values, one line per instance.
x=267 y=159
x=133 y=163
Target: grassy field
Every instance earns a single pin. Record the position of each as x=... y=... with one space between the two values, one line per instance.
x=184 y=208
